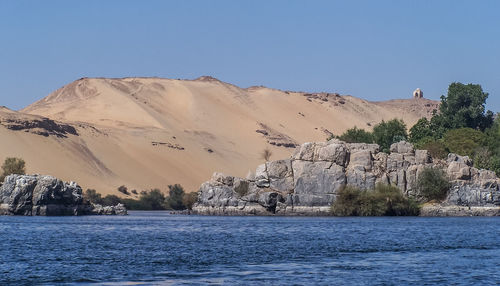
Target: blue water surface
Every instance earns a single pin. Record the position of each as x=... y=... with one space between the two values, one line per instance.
x=156 y=248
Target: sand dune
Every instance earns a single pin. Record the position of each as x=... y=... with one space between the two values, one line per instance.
x=151 y=132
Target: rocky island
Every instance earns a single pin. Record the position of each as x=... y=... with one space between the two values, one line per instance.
x=307 y=183
x=34 y=195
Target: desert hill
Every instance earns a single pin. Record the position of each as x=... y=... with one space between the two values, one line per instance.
x=151 y=132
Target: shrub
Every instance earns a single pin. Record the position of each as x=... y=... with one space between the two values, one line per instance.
x=384 y=200
x=356 y=135
x=387 y=133
x=12 y=166
x=347 y=201
x=396 y=204
x=432 y=184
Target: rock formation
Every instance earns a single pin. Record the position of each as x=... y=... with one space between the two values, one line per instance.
x=46 y=195
x=307 y=183
x=418 y=93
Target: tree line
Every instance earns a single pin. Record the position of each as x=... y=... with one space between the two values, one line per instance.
x=154 y=199
x=462 y=125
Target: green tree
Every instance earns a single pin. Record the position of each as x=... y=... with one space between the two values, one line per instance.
x=463 y=141
x=432 y=184
x=356 y=135
x=464 y=106
x=12 y=166
x=387 y=133
x=492 y=140
x=488 y=157
x=436 y=148
x=152 y=200
x=421 y=130
x=175 y=196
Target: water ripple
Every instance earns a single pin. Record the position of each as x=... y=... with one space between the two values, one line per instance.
x=155 y=248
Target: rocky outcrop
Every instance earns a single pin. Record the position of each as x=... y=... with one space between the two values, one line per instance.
x=308 y=182
x=119 y=209
x=45 y=195
x=40 y=126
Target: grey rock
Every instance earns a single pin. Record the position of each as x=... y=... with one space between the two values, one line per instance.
x=119 y=209
x=241 y=186
x=422 y=157
x=395 y=161
x=361 y=179
x=361 y=160
x=458 y=171
x=279 y=169
x=331 y=152
x=355 y=147
x=222 y=179
x=261 y=176
x=460 y=159
x=471 y=195
x=317 y=178
x=402 y=147
x=304 y=152
x=45 y=195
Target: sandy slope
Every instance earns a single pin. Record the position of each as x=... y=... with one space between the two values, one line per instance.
x=151 y=132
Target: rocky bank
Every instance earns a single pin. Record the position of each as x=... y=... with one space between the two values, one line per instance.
x=45 y=195
x=307 y=183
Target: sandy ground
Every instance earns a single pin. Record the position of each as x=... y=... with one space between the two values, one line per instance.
x=150 y=132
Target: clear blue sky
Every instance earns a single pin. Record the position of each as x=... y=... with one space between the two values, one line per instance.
x=376 y=50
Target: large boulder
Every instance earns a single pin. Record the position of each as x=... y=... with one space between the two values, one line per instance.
x=41 y=195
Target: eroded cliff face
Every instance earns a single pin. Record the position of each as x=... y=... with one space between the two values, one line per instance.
x=307 y=183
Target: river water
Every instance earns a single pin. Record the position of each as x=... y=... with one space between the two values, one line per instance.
x=155 y=248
